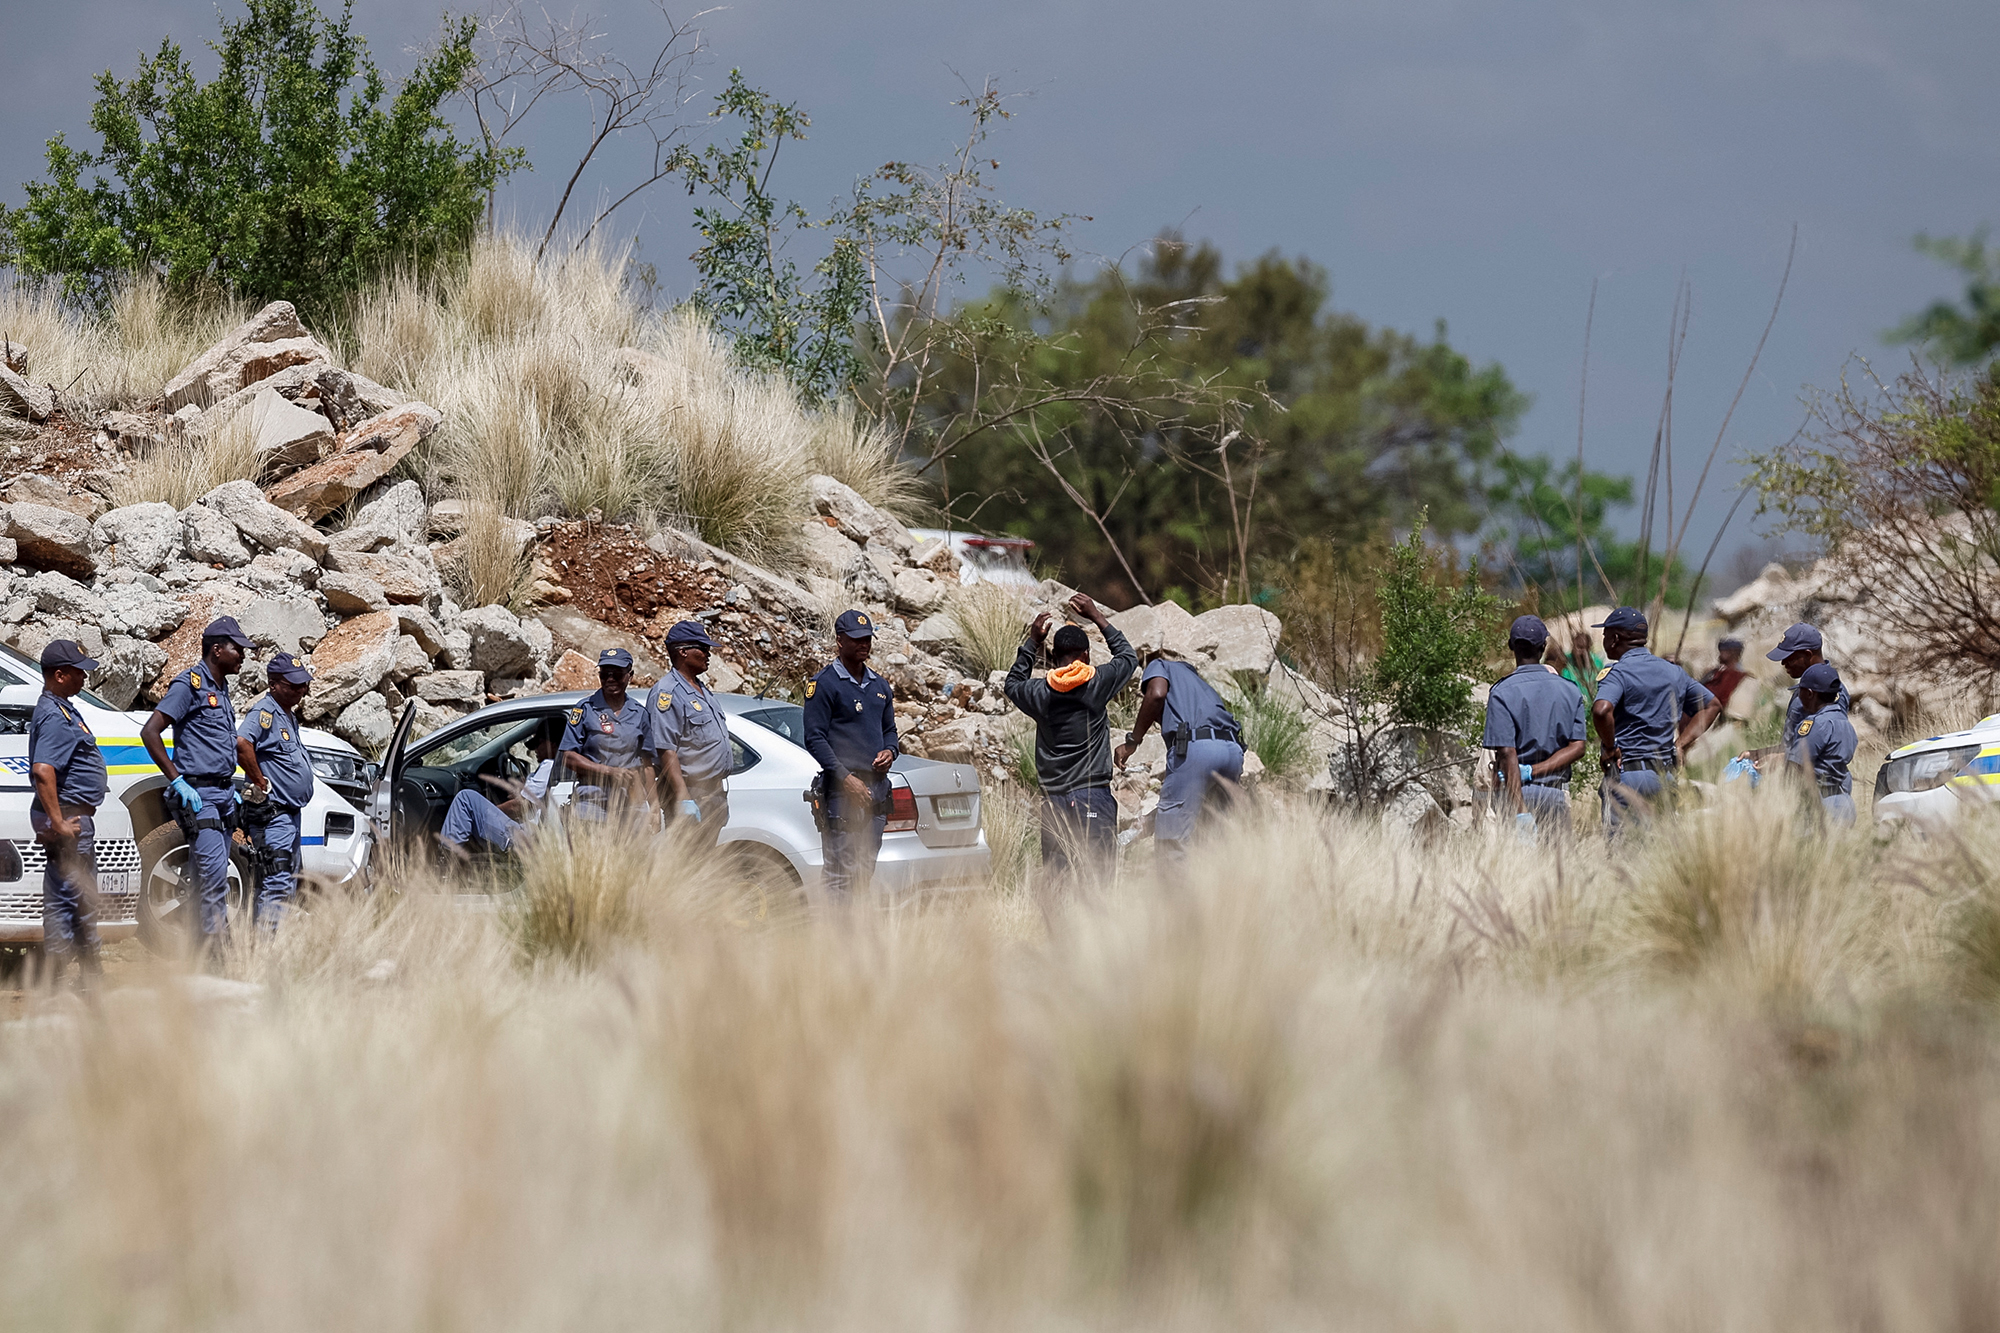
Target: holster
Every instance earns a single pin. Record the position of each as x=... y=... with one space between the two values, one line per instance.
x=815 y=796
x=1177 y=743
x=212 y=815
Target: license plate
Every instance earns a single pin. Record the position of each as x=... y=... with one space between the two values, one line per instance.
x=116 y=881
x=954 y=807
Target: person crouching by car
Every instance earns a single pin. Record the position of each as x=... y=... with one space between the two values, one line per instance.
x=70 y=782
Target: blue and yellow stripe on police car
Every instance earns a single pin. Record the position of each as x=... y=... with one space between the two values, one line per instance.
x=126 y=755
x=1983 y=770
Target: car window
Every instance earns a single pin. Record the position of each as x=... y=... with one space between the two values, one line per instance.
x=741 y=756
x=788 y=720
x=479 y=743
x=14 y=719
x=9 y=678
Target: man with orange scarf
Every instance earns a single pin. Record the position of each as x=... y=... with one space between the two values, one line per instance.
x=1073 y=737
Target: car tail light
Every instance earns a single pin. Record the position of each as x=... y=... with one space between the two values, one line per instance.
x=902 y=811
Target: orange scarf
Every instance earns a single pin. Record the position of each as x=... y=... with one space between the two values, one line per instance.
x=1065 y=679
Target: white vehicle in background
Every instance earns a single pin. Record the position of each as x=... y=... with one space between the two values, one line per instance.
x=1932 y=780
x=1000 y=560
x=933 y=840
x=141 y=859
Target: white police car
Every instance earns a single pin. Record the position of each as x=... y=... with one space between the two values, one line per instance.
x=141 y=859
x=1932 y=780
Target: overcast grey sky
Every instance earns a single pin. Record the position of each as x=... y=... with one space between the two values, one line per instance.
x=1480 y=161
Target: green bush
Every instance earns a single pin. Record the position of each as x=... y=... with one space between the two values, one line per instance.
x=1435 y=636
x=1273 y=731
x=293 y=174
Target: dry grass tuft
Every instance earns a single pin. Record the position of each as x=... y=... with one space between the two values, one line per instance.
x=991 y=621
x=492 y=565
x=183 y=470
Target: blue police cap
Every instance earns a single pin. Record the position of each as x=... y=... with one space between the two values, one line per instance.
x=1528 y=629
x=1798 y=638
x=67 y=653
x=855 y=625
x=1821 y=678
x=1624 y=617
x=614 y=657
x=286 y=667
x=689 y=631
x=225 y=627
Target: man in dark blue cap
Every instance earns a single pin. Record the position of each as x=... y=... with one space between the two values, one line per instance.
x=691 y=737
x=607 y=740
x=851 y=731
x=1647 y=713
x=273 y=754
x=1822 y=742
x=1535 y=719
x=1798 y=652
x=199 y=794
x=68 y=773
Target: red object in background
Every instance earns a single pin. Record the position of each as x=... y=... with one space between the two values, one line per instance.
x=1722 y=682
x=902 y=811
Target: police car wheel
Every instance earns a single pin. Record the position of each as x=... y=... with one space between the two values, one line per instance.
x=766 y=873
x=166 y=890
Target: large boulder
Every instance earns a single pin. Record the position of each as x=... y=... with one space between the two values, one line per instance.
x=126 y=666
x=288 y=436
x=145 y=537
x=280 y=572
x=422 y=626
x=855 y=517
x=365 y=455
x=58 y=595
x=938 y=634
x=463 y=688
x=24 y=398
x=1410 y=776
x=344 y=398
x=34 y=488
x=261 y=521
x=402 y=578
x=351 y=661
x=269 y=341
x=284 y=624
x=352 y=594
x=501 y=646
x=824 y=550
x=212 y=539
x=399 y=510
x=917 y=591
x=49 y=538
x=1163 y=626
x=1237 y=638
x=365 y=724
x=136 y=610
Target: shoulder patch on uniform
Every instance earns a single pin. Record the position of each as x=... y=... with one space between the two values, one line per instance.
x=576 y=715
x=666 y=701
x=811 y=685
x=264 y=716
x=194 y=679
x=1805 y=726
x=1604 y=671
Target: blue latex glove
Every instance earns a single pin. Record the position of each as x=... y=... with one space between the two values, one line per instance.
x=185 y=790
x=1741 y=768
x=1527 y=772
x=692 y=809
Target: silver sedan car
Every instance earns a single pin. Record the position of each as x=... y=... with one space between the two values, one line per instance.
x=933 y=838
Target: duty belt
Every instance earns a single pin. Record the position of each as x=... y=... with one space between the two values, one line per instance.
x=1656 y=765
x=209 y=779
x=1203 y=734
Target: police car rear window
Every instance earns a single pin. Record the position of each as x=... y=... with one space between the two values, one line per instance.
x=788 y=720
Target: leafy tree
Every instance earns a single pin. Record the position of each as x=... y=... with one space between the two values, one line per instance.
x=1436 y=636
x=292 y=174
x=744 y=281
x=1965 y=334
x=1532 y=532
x=1169 y=428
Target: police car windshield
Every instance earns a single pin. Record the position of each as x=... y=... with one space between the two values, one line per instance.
x=12 y=677
x=788 y=720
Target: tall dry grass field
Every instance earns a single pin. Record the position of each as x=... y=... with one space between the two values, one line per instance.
x=1741 y=1074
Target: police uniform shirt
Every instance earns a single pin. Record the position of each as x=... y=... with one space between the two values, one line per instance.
x=197 y=703
x=683 y=719
x=1536 y=712
x=848 y=721
x=1823 y=744
x=274 y=734
x=1795 y=711
x=59 y=737
x=1649 y=696
x=1191 y=701
x=615 y=738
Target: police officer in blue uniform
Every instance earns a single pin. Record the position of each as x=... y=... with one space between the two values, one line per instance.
x=608 y=741
x=1204 y=745
x=68 y=773
x=691 y=737
x=851 y=731
x=1648 y=711
x=1798 y=652
x=199 y=792
x=273 y=754
x=1821 y=744
x=1535 y=719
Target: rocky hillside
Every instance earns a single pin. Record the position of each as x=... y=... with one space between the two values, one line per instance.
x=336 y=559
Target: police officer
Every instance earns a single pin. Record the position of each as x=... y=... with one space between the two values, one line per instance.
x=68 y=773
x=204 y=758
x=1822 y=743
x=1647 y=713
x=607 y=738
x=1798 y=652
x=269 y=748
x=1535 y=719
x=691 y=737
x=851 y=731
x=1204 y=743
